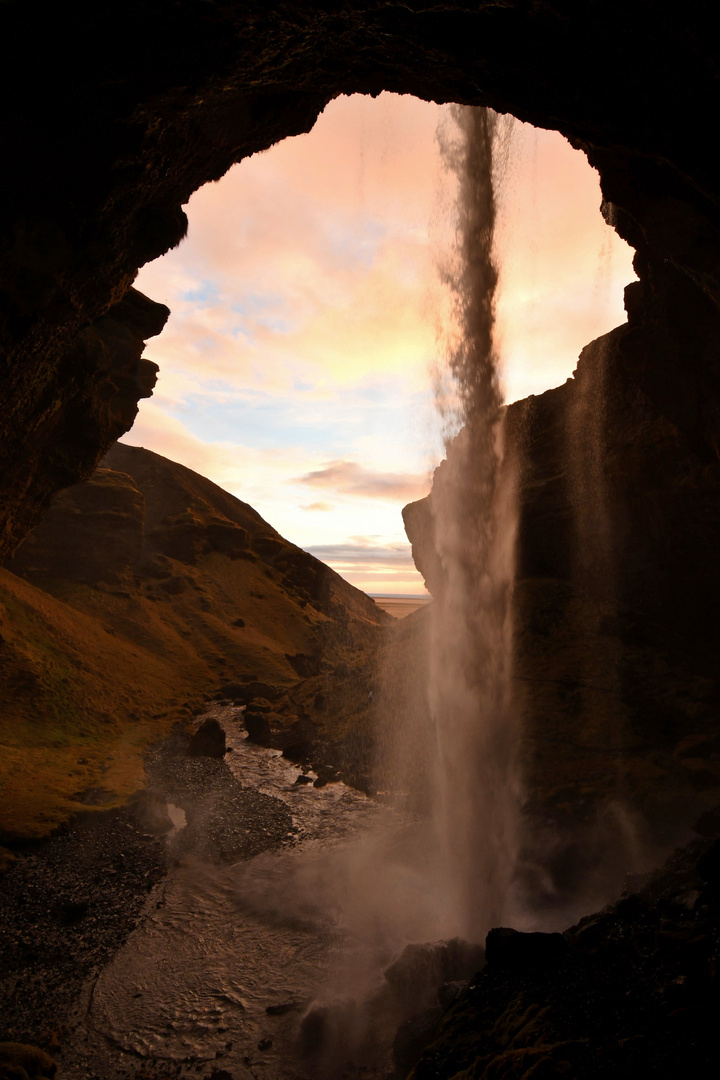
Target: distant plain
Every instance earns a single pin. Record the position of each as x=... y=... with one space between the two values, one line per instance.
x=400 y=606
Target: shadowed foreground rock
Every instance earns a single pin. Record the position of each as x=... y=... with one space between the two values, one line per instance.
x=632 y=992
x=20 y=1062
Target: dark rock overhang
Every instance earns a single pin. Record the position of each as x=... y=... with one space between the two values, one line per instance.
x=116 y=112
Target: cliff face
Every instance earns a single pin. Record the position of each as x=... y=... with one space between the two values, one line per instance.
x=117 y=112
x=143 y=592
x=616 y=638
x=616 y=629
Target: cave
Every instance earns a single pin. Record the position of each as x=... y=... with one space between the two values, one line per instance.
x=116 y=113
x=116 y=116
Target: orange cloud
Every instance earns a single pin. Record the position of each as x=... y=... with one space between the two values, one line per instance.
x=352 y=479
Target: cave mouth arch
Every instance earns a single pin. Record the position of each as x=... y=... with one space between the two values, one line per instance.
x=305 y=308
x=116 y=127
x=113 y=128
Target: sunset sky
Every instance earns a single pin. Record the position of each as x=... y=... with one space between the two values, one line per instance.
x=297 y=367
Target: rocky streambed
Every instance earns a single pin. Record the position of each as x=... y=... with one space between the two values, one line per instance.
x=265 y=935
x=201 y=951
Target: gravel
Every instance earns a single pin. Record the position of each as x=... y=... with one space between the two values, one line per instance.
x=67 y=905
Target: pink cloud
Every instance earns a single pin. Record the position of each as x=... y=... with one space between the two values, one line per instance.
x=350 y=478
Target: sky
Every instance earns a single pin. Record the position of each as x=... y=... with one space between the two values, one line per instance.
x=298 y=366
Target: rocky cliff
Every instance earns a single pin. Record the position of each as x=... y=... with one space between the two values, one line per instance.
x=629 y=992
x=144 y=591
x=616 y=631
x=118 y=112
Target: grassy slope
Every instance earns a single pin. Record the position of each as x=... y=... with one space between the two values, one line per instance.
x=91 y=675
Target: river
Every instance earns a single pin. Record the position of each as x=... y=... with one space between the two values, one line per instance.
x=260 y=968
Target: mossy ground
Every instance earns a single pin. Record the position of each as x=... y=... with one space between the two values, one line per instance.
x=93 y=676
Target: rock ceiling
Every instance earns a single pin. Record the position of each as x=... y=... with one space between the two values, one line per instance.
x=116 y=112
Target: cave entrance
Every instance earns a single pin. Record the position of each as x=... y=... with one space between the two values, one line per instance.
x=297 y=366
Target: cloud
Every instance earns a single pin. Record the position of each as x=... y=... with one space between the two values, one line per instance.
x=265 y=478
x=376 y=568
x=352 y=479
x=365 y=553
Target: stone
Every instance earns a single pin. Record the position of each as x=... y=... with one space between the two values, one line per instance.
x=19 y=1061
x=297 y=752
x=634 y=994
x=304 y=665
x=420 y=970
x=412 y=1036
x=449 y=992
x=150 y=811
x=257 y=726
x=208 y=740
x=505 y=947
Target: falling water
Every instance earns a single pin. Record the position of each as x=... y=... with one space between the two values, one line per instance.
x=308 y=931
x=475 y=787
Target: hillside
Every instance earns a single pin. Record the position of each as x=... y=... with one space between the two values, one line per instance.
x=144 y=591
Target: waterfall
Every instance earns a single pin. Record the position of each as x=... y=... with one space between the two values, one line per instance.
x=474 y=781
x=439 y=862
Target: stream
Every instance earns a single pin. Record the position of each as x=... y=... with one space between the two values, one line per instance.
x=249 y=969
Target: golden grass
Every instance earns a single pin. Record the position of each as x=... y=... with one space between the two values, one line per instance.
x=91 y=678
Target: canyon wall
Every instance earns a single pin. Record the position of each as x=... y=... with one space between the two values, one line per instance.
x=116 y=113
x=616 y=630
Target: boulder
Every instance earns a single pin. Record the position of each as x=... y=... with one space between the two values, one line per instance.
x=208 y=740
x=257 y=726
x=150 y=812
x=505 y=947
x=420 y=970
x=21 y=1062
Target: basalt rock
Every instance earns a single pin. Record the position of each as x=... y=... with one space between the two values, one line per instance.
x=121 y=110
x=101 y=524
x=21 y=1062
x=420 y=969
x=616 y=599
x=631 y=991
x=208 y=740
